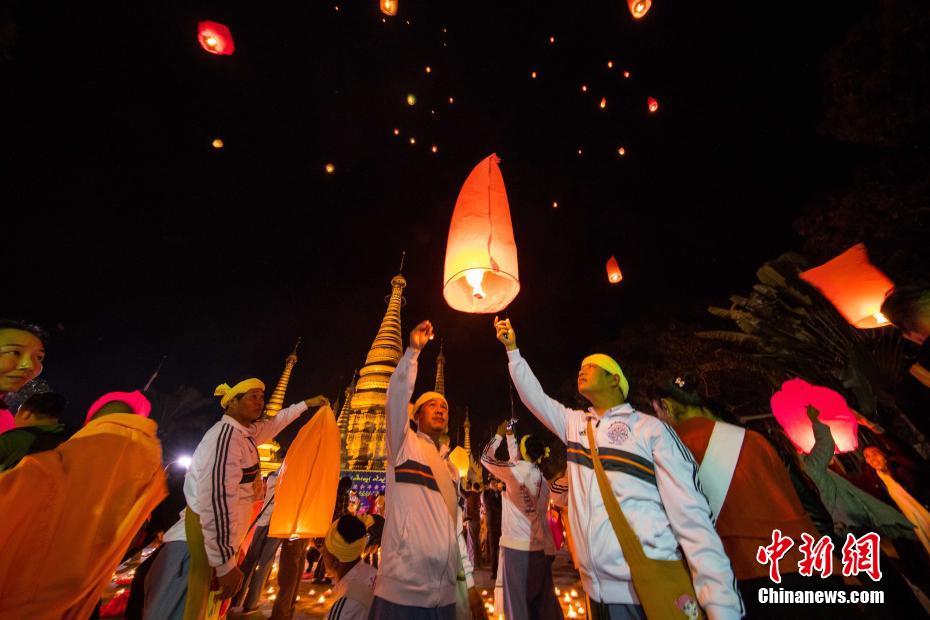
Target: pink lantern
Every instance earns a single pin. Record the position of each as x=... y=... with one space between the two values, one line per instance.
x=215 y=38
x=854 y=286
x=790 y=408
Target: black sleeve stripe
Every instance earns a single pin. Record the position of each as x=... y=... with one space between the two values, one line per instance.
x=213 y=494
x=686 y=454
x=220 y=503
x=490 y=460
x=336 y=609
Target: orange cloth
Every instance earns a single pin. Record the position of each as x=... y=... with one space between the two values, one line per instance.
x=761 y=498
x=305 y=494
x=69 y=515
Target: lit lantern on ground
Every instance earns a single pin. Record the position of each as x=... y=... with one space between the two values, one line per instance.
x=790 y=408
x=481 y=274
x=652 y=103
x=389 y=7
x=639 y=8
x=854 y=286
x=215 y=38
x=613 y=270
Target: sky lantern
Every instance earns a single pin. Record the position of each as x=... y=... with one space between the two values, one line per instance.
x=389 y=7
x=652 y=103
x=854 y=286
x=217 y=143
x=639 y=8
x=481 y=274
x=411 y=99
x=215 y=38
x=621 y=151
x=603 y=103
x=330 y=168
x=459 y=458
x=613 y=270
x=790 y=408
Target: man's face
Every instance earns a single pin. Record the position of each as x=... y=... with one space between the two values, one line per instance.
x=249 y=406
x=433 y=416
x=875 y=458
x=594 y=379
x=21 y=355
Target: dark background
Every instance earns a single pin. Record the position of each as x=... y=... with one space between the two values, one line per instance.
x=131 y=238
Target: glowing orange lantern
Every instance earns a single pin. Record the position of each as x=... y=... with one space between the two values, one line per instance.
x=790 y=408
x=481 y=273
x=854 y=286
x=652 y=103
x=639 y=8
x=459 y=458
x=613 y=270
x=603 y=104
x=215 y=38
x=306 y=491
x=389 y=7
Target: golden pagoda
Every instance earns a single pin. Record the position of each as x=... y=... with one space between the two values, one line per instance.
x=363 y=447
x=441 y=371
x=342 y=419
x=268 y=452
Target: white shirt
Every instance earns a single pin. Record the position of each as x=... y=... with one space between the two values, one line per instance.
x=354 y=593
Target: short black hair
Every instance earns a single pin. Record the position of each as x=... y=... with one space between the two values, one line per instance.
x=23 y=326
x=535 y=448
x=684 y=389
x=350 y=528
x=903 y=305
x=49 y=404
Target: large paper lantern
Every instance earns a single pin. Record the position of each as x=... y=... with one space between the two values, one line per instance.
x=215 y=38
x=389 y=7
x=613 y=270
x=481 y=273
x=305 y=495
x=639 y=8
x=459 y=458
x=790 y=408
x=854 y=285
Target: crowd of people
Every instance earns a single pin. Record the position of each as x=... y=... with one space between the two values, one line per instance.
x=675 y=512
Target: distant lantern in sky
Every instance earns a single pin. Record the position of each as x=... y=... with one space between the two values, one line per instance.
x=411 y=99
x=429 y=69
x=396 y=131
x=481 y=273
x=610 y=64
x=551 y=40
x=413 y=140
x=854 y=286
x=613 y=270
x=217 y=143
x=639 y=8
x=555 y=204
x=434 y=148
x=215 y=38
x=533 y=74
x=626 y=74
x=789 y=405
x=652 y=104
x=584 y=88
x=603 y=103
x=389 y=7
x=621 y=151
x=451 y=100
x=330 y=168
x=580 y=152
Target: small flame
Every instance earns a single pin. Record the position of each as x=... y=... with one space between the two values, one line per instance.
x=475 y=278
x=881 y=318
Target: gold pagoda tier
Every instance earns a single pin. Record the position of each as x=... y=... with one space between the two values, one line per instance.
x=363 y=447
x=268 y=452
x=441 y=371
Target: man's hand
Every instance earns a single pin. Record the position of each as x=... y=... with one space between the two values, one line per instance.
x=230 y=582
x=505 y=333
x=316 y=401
x=813 y=413
x=420 y=335
x=502 y=429
x=476 y=604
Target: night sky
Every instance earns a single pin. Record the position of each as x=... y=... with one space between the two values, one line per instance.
x=130 y=237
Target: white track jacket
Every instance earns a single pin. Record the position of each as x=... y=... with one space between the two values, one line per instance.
x=223 y=482
x=654 y=476
x=423 y=553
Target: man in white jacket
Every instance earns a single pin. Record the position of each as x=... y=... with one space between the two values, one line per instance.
x=653 y=476
x=220 y=487
x=423 y=554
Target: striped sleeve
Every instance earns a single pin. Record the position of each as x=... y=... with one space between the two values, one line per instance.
x=347 y=609
x=502 y=470
x=220 y=530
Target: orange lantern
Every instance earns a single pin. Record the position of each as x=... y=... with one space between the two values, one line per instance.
x=459 y=458
x=652 y=103
x=215 y=38
x=481 y=274
x=613 y=270
x=389 y=7
x=854 y=286
x=306 y=491
x=639 y=8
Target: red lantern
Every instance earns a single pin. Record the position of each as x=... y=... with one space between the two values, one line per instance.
x=854 y=286
x=790 y=408
x=215 y=38
x=481 y=273
x=652 y=103
x=613 y=270
x=389 y=7
x=639 y=8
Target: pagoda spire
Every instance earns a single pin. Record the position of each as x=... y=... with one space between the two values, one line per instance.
x=467 y=425
x=441 y=370
x=347 y=396
x=385 y=352
x=276 y=402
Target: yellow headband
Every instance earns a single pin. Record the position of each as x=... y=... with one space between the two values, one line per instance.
x=228 y=393
x=611 y=366
x=523 y=451
x=425 y=397
x=337 y=545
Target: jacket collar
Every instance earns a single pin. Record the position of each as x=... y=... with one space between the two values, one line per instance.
x=232 y=422
x=443 y=449
x=619 y=410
